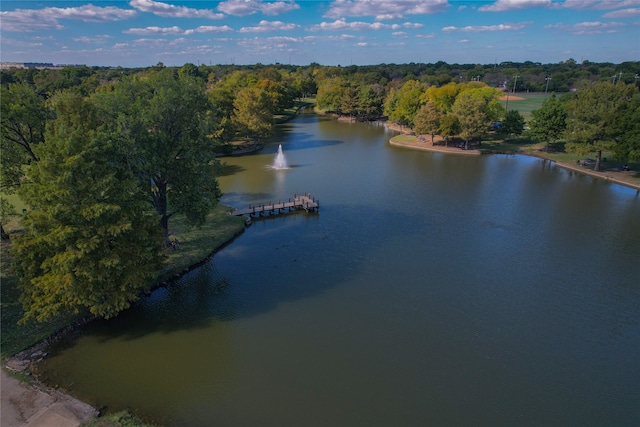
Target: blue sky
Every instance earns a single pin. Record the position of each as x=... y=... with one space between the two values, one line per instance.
x=140 y=33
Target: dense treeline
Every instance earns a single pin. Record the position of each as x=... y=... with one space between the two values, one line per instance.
x=104 y=157
x=532 y=76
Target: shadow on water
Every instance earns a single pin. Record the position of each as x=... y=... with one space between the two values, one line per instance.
x=228 y=170
x=206 y=295
x=301 y=141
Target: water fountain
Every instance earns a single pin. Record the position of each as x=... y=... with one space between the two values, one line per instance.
x=280 y=162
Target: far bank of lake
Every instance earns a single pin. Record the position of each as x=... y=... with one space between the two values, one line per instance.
x=627 y=178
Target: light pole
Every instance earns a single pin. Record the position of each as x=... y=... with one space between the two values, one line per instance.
x=547 y=86
x=506 y=107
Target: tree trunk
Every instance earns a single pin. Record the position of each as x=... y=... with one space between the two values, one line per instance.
x=160 y=203
x=3 y=234
x=598 y=158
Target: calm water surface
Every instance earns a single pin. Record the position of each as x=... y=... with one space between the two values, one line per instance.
x=430 y=289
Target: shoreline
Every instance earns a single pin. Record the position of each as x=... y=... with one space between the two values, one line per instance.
x=427 y=146
x=33 y=401
x=582 y=170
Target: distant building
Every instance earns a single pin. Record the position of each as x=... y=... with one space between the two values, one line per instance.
x=36 y=65
x=7 y=65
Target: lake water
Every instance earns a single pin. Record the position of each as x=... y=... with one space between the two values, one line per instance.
x=430 y=289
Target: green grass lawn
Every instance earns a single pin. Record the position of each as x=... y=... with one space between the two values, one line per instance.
x=532 y=101
x=197 y=243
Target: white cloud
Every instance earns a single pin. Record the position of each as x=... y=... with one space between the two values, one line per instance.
x=624 y=13
x=193 y=50
x=463 y=41
x=20 y=43
x=249 y=7
x=269 y=26
x=97 y=39
x=412 y=25
x=269 y=41
x=341 y=25
x=485 y=28
x=177 y=30
x=167 y=10
x=154 y=30
x=384 y=9
x=362 y=44
x=270 y=44
x=209 y=29
x=504 y=5
x=27 y=20
x=584 y=28
x=426 y=36
x=399 y=34
x=600 y=4
x=340 y=38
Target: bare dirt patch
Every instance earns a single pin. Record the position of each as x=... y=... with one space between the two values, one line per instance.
x=511 y=98
x=35 y=404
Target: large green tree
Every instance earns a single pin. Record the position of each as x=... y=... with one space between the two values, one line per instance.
x=253 y=113
x=626 y=130
x=403 y=104
x=513 y=123
x=90 y=242
x=591 y=115
x=370 y=102
x=476 y=110
x=350 y=101
x=330 y=91
x=549 y=121
x=427 y=120
x=449 y=127
x=167 y=123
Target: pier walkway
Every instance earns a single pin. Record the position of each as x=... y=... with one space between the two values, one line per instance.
x=298 y=202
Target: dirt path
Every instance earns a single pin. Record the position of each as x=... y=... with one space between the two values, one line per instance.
x=23 y=405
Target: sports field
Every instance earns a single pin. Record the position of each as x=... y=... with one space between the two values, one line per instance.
x=524 y=103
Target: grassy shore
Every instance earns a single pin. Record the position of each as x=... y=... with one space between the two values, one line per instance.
x=610 y=168
x=196 y=245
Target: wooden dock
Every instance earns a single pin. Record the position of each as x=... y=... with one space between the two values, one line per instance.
x=298 y=202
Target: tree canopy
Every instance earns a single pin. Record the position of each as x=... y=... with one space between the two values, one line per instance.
x=166 y=124
x=592 y=114
x=549 y=122
x=90 y=242
x=476 y=110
